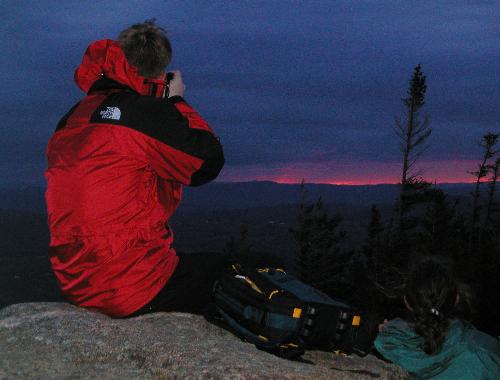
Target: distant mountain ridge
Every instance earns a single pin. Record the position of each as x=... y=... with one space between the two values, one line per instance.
x=244 y=195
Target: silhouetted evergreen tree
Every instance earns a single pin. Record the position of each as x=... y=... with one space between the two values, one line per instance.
x=493 y=209
x=374 y=249
x=239 y=247
x=483 y=253
x=321 y=261
x=488 y=145
x=240 y=250
x=491 y=206
x=375 y=229
x=383 y=262
x=372 y=273
x=442 y=230
x=413 y=132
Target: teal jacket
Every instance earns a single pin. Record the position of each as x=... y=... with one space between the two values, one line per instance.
x=467 y=353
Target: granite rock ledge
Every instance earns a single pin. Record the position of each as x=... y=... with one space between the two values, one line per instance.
x=61 y=341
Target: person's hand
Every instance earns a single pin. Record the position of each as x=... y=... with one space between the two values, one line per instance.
x=382 y=325
x=176 y=85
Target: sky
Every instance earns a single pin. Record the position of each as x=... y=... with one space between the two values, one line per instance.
x=294 y=89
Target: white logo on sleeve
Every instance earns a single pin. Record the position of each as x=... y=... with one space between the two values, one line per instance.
x=113 y=113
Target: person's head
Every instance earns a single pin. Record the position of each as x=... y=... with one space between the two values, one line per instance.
x=147 y=47
x=431 y=295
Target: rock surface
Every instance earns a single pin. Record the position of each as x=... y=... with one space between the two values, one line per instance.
x=60 y=341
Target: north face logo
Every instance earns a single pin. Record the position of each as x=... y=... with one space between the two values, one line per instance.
x=113 y=113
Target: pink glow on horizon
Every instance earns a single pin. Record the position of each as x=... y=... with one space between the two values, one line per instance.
x=362 y=173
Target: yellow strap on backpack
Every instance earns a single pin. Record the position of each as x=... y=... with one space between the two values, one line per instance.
x=250 y=282
x=273 y=293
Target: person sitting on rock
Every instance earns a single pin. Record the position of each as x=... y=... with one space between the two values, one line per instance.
x=436 y=344
x=117 y=163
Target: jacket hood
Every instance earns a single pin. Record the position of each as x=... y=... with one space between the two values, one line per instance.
x=106 y=58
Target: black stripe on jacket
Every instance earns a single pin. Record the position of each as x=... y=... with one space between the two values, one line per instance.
x=161 y=120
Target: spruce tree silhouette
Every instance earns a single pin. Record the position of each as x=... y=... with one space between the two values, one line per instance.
x=321 y=261
x=487 y=143
x=413 y=132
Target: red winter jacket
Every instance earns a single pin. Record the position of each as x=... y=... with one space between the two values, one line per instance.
x=116 y=165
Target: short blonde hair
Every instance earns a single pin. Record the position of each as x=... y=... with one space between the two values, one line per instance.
x=146 y=47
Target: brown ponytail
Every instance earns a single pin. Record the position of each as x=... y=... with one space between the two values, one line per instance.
x=431 y=292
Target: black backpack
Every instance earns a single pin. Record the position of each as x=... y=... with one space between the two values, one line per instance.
x=280 y=314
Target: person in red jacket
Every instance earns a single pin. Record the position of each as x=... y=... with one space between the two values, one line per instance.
x=117 y=163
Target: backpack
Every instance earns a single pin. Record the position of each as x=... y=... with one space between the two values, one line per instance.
x=281 y=314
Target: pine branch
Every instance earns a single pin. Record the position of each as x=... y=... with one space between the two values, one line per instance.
x=421 y=139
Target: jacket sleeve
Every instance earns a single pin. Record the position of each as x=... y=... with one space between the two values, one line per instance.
x=201 y=142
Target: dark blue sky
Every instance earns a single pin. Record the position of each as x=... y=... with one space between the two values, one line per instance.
x=295 y=89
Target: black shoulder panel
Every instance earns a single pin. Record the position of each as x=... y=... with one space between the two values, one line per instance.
x=156 y=118
x=64 y=120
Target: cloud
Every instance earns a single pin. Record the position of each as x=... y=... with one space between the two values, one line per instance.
x=281 y=82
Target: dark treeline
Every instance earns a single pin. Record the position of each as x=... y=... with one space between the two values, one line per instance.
x=425 y=222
